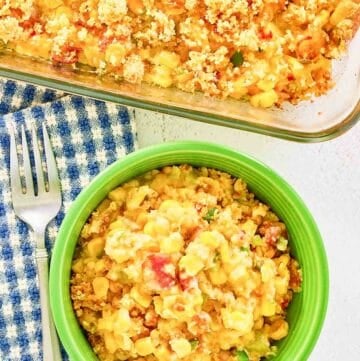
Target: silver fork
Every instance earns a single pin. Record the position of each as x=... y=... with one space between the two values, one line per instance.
x=37 y=210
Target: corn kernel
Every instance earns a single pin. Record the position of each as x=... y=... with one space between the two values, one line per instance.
x=260 y=210
x=191 y=264
x=321 y=19
x=122 y=322
x=167 y=58
x=110 y=342
x=115 y=54
x=161 y=75
x=96 y=246
x=118 y=195
x=106 y=323
x=149 y=228
x=49 y=4
x=268 y=308
x=249 y=227
x=217 y=276
x=209 y=239
x=142 y=299
x=181 y=347
x=239 y=89
x=93 y=56
x=136 y=196
x=229 y=339
x=116 y=226
x=38 y=46
x=172 y=244
x=123 y=342
x=266 y=85
x=169 y=204
x=278 y=329
x=273 y=29
x=61 y=9
x=225 y=252
x=281 y=285
x=144 y=346
x=145 y=54
x=237 y=320
x=183 y=77
x=162 y=226
x=343 y=10
x=78 y=266
x=100 y=265
x=162 y=353
x=100 y=286
x=265 y=99
x=136 y=6
x=268 y=271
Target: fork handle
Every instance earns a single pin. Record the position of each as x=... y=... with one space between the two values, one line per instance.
x=50 y=342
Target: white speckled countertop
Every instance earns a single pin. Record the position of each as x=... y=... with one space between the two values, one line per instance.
x=327 y=177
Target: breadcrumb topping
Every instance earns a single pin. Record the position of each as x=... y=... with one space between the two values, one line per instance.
x=183 y=263
x=286 y=46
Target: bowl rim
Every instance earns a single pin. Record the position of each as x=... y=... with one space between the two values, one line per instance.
x=162 y=154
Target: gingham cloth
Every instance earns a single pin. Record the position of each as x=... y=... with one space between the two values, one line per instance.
x=86 y=135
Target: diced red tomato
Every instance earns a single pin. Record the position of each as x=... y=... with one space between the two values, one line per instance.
x=29 y=24
x=272 y=234
x=291 y=77
x=187 y=282
x=158 y=263
x=95 y=30
x=69 y=55
x=265 y=35
x=16 y=13
x=104 y=42
x=107 y=40
x=285 y=303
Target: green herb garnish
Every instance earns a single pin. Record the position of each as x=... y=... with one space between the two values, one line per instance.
x=209 y=216
x=194 y=344
x=244 y=249
x=237 y=58
x=242 y=356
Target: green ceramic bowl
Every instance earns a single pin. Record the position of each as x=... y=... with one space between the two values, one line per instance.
x=308 y=308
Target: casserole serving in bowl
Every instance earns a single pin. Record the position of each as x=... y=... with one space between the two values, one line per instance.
x=307 y=309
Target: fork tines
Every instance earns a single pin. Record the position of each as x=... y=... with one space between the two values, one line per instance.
x=52 y=173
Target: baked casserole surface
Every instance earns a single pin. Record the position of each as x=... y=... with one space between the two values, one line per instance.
x=262 y=51
x=186 y=264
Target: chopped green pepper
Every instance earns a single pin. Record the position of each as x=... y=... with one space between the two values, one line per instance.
x=209 y=216
x=242 y=356
x=237 y=58
x=282 y=244
x=194 y=343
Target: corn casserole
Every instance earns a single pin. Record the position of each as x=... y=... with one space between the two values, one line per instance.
x=183 y=263
x=262 y=51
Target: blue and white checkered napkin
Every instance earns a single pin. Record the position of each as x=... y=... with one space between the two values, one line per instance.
x=86 y=135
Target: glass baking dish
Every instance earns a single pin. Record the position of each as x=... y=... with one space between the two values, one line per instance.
x=318 y=119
